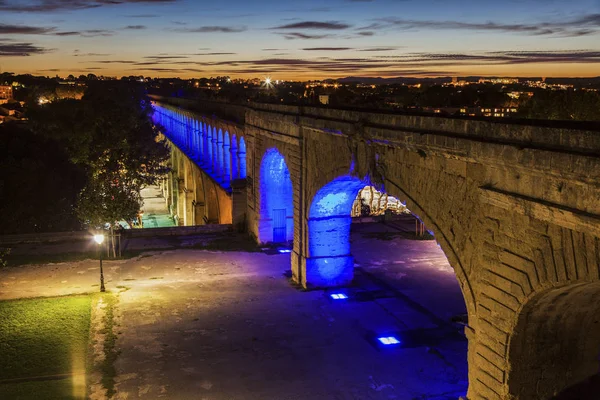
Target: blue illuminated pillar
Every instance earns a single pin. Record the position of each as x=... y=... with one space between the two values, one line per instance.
x=209 y=143
x=220 y=160
x=234 y=158
x=329 y=262
x=226 y=159
x=215 y=153
x=197 y=136
x=242 y=158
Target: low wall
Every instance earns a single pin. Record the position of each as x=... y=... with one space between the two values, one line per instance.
x=57 y=237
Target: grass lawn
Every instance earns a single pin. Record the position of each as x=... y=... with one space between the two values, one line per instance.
x=41 y=337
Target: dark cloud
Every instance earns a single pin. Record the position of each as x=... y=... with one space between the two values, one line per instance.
x=298 y=35
x=328 y=25
x=135 y=27
x=214 y=54
x=6 y=29
x=78 y=54
x=15 y=49
x=66 y=5
x=209 y=29
x=86 y=33
x=327 y=48
x=165 y=57
x=375 y=49
x=579 y=26
x=366 y=33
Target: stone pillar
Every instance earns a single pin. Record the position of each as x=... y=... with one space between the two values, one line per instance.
x=239 y=198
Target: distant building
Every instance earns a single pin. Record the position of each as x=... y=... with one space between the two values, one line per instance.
x=6 y=93
x=324 y=98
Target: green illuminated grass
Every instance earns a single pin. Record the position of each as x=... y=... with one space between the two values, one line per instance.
x=39 y=390
x=42 y=337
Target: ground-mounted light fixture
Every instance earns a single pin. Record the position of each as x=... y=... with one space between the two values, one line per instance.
x=338 y=296
x=389 y=340
x=99 y=239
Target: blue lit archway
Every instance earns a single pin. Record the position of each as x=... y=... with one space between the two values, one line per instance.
x=330 y=262
x=276 y=220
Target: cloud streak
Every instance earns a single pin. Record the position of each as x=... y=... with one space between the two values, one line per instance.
x=329 y=25
x=16 y=49
x=66 y=5
x=579 y=26
x=212 y=29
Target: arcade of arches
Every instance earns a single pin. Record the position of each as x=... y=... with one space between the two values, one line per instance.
x=515 y=208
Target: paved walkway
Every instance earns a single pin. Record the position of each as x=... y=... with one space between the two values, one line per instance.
x=220 y=326
x=156 y=214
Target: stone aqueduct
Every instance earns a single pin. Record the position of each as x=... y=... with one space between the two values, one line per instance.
x=515 y=207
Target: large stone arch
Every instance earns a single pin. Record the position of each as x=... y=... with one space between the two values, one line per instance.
x=276 y=194
x=556 y=342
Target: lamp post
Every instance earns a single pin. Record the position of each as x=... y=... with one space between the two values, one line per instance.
x=99 y=239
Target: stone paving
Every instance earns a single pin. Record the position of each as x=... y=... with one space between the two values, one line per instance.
x=155 y=210
x=218 y=326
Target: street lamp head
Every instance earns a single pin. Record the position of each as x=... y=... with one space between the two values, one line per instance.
x=99 y=238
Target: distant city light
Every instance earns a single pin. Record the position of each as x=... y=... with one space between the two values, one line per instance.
x=285 y=250
x=267 y=81
x=338 y=296
x=388 y=340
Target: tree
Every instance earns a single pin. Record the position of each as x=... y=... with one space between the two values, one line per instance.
x=38 y=183
x=110 y=134
x=563 y=105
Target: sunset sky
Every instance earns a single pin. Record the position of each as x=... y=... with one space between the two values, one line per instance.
x=301 y=39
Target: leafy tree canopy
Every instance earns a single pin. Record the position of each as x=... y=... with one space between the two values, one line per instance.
x=110 y=134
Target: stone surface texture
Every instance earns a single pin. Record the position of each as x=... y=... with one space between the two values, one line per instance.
x=514 y=206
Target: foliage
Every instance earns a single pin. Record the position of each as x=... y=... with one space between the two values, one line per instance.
x=4 y=253
x=110 y=134
x=38 y=183
x=563 y=105
x=105 y=199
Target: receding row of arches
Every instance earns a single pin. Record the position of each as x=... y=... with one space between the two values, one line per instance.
x=221 y=155
x=329 y=218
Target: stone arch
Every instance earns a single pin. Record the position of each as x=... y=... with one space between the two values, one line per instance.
x=556 y=342
x=419 y=209
x=199 y=198
x=276 y=207
x=213 y=212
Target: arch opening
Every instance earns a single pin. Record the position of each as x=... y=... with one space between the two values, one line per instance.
x=276 y=220
x=554 y=349
x=370 y=255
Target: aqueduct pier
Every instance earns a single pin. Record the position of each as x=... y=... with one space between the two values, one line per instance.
x=515 y=206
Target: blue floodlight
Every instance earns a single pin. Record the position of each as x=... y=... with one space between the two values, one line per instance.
x=338 y=296
x=285 y=250
x=388 y=340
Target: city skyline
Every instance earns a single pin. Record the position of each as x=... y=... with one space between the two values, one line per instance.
x=312 y=40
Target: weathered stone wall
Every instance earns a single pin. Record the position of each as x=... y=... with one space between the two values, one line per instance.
x=199 y=199
x=515 y=207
